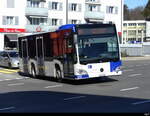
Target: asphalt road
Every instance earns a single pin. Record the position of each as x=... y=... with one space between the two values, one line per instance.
x=128 y=93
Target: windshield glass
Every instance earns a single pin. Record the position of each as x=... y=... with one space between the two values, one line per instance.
x=13 y=54
x=99 y=48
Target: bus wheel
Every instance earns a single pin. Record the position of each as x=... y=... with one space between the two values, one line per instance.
x=58 y=75
x=9 y=65
x=33 y=72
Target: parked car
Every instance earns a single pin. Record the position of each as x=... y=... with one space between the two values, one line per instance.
x=9 y=58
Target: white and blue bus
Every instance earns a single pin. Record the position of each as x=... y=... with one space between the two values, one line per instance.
x=74 y=51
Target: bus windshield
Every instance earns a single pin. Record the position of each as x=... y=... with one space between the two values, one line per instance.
x=98 y=48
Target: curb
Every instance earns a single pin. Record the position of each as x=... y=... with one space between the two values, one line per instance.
x=135 y=58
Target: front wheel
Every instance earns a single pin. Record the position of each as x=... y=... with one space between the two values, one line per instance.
x=33 y=72
x=58 y=75
x=9 y=65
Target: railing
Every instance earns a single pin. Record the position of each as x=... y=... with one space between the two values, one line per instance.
x=37 y=11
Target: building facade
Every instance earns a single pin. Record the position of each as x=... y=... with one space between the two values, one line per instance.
x=31 y=16
x=135 y=31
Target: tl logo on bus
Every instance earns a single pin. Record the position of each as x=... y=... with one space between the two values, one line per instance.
x=89 y=66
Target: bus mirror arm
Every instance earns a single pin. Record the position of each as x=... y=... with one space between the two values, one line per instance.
x=75 y=39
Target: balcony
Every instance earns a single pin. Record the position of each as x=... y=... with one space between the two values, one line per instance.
x=36 y=11
x=39 y=28
x=94 y=15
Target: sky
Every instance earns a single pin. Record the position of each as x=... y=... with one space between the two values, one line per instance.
x=134 y=3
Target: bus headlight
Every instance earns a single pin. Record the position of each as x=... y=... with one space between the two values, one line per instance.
x=118 y=70
x=82 y=72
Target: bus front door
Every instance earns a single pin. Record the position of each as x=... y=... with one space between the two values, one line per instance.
x=40 y=56
x=25 y=57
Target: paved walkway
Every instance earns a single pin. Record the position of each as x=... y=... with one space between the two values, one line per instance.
x=136 y=58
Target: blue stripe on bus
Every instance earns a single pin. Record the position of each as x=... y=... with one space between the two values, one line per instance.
x=114 y=65
x=81 y=76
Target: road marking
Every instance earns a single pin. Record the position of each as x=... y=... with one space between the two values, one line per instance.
x=15 y=84
x=6 y=72
x=78 y=97
x=128 y=70
x=53 y=86
x=138 y=65
x=26 y=77
x=133 y=75
x=141 y=102
x=8 y=79
x=127 y=89
x=10 y=70
x=130 y=66
x=8 y=108
x=18 y=78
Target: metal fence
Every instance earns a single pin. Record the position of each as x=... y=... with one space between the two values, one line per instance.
x=135 y=49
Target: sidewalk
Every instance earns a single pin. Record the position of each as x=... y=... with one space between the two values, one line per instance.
x=136 y=58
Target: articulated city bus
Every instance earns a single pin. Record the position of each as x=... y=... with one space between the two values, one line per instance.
x=76 y=52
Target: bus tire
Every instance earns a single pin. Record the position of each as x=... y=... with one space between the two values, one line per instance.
x=9 y=65
x=33 y=71
x=58 y=75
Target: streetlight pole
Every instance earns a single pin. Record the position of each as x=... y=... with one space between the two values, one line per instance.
x=66 y=11
x=122 y=8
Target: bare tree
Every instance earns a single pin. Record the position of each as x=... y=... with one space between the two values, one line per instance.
x=134 y=14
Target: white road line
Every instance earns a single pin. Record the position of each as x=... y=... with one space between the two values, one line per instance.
x=133 y=75
x=78 y=97
x=8 y=108
x=127 y=89
x=8 y=79
x=26 y=77
x=53 y=86
x=145 y=64
x=138 y=65
x=15 y=84
x=130 y=66
x=128 y=70
x=18 y=78
x=141 y=102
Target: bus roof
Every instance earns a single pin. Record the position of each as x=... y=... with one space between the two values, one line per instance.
x=73 y=26
x=67 y=26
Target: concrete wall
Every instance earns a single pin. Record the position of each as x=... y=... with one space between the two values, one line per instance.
x=135 y=49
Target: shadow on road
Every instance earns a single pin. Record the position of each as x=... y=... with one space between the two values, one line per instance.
x=63 y=102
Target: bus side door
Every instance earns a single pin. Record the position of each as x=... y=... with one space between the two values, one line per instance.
x=40 y=56
x=25 y=57
x=68 y=56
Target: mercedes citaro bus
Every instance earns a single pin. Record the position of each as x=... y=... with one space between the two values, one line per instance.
x=74 y=51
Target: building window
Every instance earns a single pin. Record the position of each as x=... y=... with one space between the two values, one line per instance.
x=10 y=3
x=92 y=7
x=54 y=22
x=73 y=7
x=73 y=21
x=37 y=21
x=54 y=5
x=112 y=10
x=35 y=4
x=10 y=20
x=125 y=24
